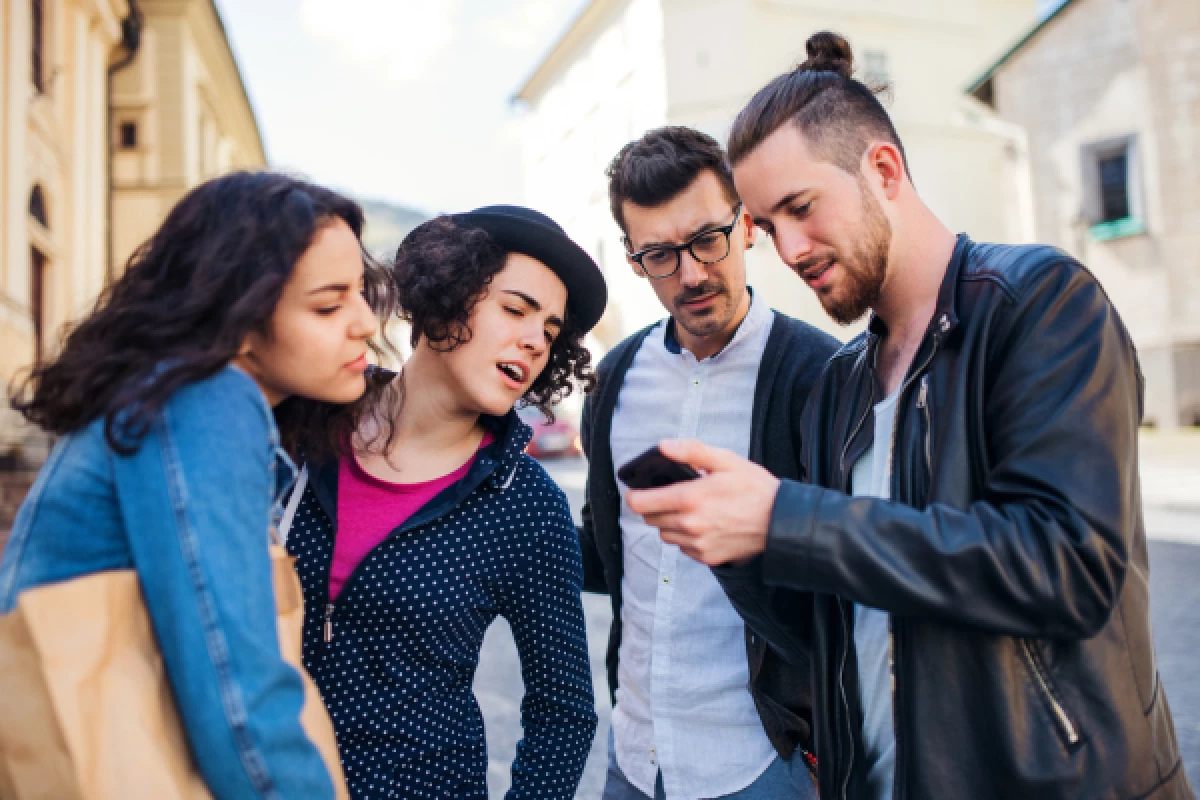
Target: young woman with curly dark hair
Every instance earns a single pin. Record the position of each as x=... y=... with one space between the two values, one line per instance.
x=434 y=521
x=253 y=294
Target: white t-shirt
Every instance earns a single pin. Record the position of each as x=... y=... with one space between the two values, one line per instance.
x=871 y=477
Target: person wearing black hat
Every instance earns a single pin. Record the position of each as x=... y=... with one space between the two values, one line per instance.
x=431 y=521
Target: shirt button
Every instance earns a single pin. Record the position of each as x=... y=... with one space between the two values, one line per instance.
x=666 y=579
x=696 y=382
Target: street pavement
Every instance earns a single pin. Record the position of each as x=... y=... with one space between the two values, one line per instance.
x=1171 y=488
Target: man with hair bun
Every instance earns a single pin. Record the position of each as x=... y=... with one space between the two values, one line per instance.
x=971 y=528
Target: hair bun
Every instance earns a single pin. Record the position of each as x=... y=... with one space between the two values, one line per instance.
x=828 y=52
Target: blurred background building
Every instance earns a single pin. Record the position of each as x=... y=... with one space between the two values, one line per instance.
x=1109 y=93
x=625 y=66
x=109 y=111
x=180 y=115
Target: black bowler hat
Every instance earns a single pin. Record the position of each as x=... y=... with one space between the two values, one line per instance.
x=523 y=230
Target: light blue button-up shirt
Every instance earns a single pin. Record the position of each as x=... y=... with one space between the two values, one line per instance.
x=683 y=702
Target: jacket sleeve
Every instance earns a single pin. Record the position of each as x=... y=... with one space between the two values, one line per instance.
x=593 y=567
x=196 y=499
x=1043 y=550
x=543 y=606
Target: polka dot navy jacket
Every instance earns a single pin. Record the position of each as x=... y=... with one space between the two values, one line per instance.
x=395 y=655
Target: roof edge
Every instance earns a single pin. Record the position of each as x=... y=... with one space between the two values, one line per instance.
x=237 y=69
x=555 y=54
x=987 y=74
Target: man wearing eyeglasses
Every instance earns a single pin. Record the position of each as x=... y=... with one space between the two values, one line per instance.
x=702 y=708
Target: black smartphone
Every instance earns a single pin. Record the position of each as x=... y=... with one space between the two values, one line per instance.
x=652 y=469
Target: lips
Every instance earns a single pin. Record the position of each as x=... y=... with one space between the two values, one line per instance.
x=814 y=276
x=699 y=303
x=359 y=364
x=514 y=372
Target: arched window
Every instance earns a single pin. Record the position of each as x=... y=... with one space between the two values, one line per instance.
x=37 y=206
x=38 y=25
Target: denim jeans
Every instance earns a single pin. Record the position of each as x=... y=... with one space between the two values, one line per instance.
x=783 y=780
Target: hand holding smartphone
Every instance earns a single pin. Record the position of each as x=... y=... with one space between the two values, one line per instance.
x=652 y=470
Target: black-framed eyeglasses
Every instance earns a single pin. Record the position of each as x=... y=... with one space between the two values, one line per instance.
x=707 y=247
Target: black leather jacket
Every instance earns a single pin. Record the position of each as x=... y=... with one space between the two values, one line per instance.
x=1013 y=560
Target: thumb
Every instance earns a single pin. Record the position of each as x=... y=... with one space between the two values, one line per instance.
x=697 y=455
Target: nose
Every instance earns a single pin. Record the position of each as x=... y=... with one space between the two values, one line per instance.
x=533 y=340
x=363 y=324
x=793 y=245
x=691 y=271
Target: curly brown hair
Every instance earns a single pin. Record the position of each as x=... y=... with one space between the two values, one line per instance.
x=442 y=270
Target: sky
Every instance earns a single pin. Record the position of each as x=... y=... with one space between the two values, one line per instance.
x=399 y=100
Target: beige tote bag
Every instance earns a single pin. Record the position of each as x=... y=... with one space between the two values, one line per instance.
x=86 y=711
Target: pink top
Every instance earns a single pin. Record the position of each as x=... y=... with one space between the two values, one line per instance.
x=369 y=509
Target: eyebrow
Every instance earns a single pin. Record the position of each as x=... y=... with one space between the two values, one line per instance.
x=333 y=287
x=534 y=304
x=705 y=228
x=788 y=199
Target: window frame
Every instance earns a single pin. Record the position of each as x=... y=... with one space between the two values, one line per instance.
x=37 y=26
x=1092 y=154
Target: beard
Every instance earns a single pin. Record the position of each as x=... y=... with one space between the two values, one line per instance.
x=715 y=319
x=865 y=268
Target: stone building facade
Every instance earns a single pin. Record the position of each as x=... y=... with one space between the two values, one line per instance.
x=1108 y=92
x=109 y=111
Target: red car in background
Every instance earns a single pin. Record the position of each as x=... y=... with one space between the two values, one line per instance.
x=558 y=439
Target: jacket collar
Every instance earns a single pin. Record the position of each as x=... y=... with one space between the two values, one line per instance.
x=945 y=314
x=503 y=456
x=495 y=466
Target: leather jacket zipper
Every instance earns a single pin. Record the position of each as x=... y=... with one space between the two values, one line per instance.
x=845 y=701
x=923 y=405
x=1066 y=726
x=854 y=433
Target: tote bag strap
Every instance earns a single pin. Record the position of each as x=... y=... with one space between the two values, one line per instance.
x=289 y=511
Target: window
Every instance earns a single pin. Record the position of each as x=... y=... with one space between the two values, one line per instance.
x=37 y=293
x=37 y=23
x=875 y=69
x=1112 y=202
x=129 y=135
x=1114 y=186
x=37 y=206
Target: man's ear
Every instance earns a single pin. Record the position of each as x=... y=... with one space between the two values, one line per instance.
x=750 y=229
x=884 y=163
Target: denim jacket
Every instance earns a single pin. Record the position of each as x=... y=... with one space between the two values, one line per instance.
x=190 y=510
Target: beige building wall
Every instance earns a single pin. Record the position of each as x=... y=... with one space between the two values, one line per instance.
x=51 y=141
x=1108 y=71
x=193 y=121
x=190 y=118
x=705 y=58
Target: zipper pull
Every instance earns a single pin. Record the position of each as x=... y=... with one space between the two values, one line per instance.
x=328 y=623
x=923 y=395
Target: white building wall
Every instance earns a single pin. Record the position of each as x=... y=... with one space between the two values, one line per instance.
x=614 y=90
x=697 y=62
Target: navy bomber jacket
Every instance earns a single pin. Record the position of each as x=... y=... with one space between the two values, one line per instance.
x=395 y=655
